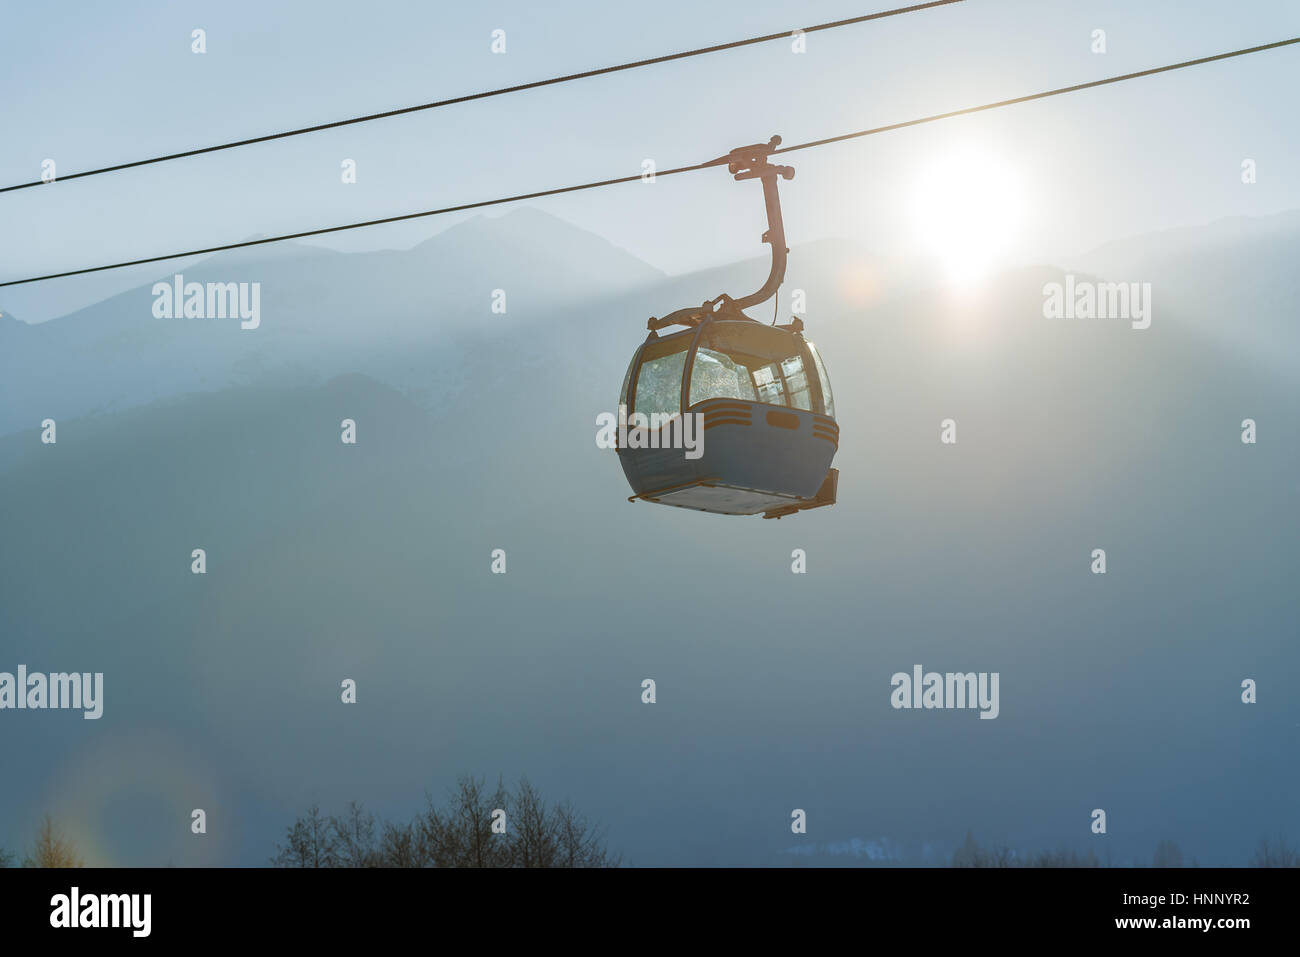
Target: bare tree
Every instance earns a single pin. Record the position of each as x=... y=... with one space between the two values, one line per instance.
x=461 y=833
x=1168 y=854
x=581 y=844
x=5 y=858
x=533 y=833
x=1062 y=858
x=354 y=837
x=1280 y=854
x=311 y=842
x=1003 y=856
x=51 y=848
x=970 y=854
x=401 y=845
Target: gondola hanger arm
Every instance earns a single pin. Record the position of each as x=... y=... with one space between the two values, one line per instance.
x=746 y=162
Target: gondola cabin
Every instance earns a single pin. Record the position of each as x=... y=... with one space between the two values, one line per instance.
x=753 y=399
x=764 y=419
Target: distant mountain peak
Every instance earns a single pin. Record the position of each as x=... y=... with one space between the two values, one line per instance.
x=1177 y=240
x=546 y=232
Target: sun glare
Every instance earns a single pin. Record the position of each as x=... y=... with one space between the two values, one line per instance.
x=967 y=207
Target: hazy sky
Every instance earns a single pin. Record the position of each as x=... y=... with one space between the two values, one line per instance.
x=111 y=83
x=1120 y=692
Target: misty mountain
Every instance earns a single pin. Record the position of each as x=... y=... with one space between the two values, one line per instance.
x=326 y=313
x=322 y=314
x=476 y=432
x=1234 y=279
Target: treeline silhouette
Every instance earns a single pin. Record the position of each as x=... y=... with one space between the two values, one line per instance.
x=461 y=833
x=1270 y=852
x=48 y=849
x=474 y=828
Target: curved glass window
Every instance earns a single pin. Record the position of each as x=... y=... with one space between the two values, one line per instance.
x=659 y=381
x=825 y=381
x=753 y=362
x=627 y=381
x=716 y=375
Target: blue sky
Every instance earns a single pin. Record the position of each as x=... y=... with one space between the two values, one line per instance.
x=113 y=83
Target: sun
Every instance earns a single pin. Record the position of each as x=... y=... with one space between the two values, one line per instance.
x=967 y=207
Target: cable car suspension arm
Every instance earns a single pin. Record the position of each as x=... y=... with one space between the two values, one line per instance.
x=750 y=162
x=746 y=162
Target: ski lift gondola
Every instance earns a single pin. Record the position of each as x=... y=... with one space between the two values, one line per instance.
x=759 y=393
